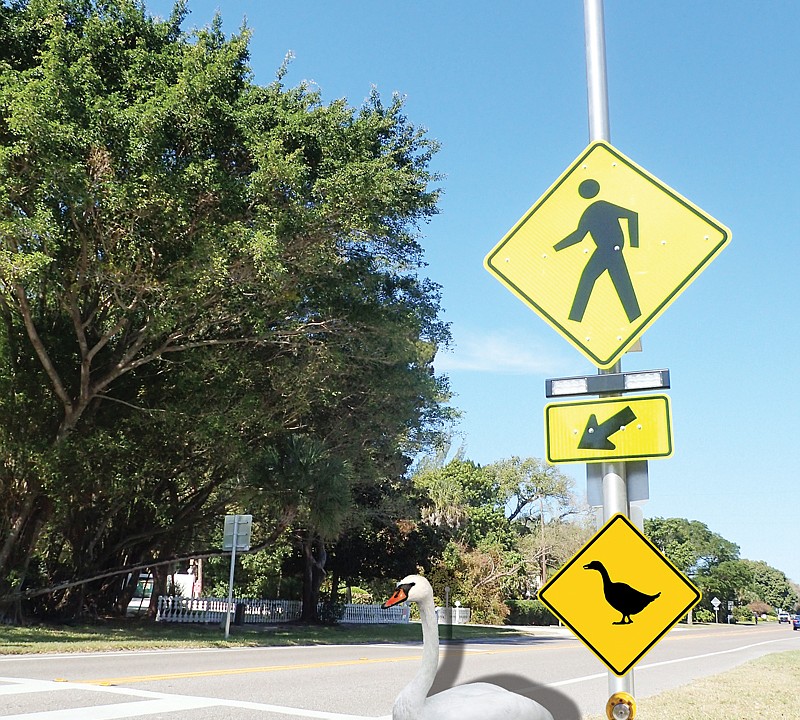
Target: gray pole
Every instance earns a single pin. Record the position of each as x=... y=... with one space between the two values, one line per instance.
x=230 y=578
x=597 y=85
x=615 y=487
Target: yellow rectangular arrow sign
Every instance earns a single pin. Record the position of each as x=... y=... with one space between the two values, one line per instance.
x=619 y=428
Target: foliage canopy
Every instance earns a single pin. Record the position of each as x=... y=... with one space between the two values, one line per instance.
x=193 y=268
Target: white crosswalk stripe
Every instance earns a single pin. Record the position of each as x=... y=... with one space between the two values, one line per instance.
x=18 y=687
x=139 y=708
x=148 y=703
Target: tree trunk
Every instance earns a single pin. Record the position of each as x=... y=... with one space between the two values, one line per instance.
x=160 y=577
x=308 y=612
x=314 y=558
x=17 y=552
x=318 y=571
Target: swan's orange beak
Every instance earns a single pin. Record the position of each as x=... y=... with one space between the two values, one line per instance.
x=398 y=596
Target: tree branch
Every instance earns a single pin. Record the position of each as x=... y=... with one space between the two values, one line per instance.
x=277 y=531
x=41 y=352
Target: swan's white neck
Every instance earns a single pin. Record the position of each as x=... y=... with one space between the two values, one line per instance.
x=411 y=699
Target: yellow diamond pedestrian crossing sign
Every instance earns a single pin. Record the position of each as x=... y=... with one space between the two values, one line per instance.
x=619 y=595
x=605 y=251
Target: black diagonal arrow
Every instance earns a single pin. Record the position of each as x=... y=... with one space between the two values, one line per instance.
x=596 y=436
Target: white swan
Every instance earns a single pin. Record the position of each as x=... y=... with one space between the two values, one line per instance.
x=478 y=701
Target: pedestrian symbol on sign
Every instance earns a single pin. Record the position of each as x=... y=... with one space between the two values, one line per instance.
x=601 y=220
x=604 y=251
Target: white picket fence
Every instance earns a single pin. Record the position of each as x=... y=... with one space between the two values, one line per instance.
x=192 y=610
x=212 y=610
x=375 y=614
x=458 y=615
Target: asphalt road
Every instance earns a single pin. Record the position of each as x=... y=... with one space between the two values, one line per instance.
x=355 y=682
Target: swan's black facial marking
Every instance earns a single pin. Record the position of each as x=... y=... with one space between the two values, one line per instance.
x=399 y=595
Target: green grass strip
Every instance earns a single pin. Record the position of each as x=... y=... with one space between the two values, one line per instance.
x=139 y=635
x=767 y=688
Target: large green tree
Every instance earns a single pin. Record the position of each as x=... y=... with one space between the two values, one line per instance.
x=192 y=266
x=771 y=586
x=691 y=546
x=728 y=581
x=715 y=565
x=503 y=522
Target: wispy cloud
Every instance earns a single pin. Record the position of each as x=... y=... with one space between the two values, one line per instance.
x=499 y=353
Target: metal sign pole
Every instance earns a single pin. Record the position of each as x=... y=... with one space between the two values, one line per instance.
x=230 y=579
x=599 y=127
x=615 y=489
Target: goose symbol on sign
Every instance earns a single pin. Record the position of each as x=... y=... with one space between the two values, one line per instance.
x=621 y=596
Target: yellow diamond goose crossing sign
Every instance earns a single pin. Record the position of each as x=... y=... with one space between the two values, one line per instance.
x=619 y=595
x=604 y=251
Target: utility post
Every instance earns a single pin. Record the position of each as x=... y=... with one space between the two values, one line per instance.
x=234 y=541
x=235 y=536
x=562 y=243
x=615 y=485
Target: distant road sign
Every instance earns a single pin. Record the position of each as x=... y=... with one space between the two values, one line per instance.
x=626 y=428
x=243 y=525
x=619 y=595
x=604 y=251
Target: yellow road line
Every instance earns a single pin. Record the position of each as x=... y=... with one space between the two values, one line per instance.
x=239 y=671
x=298 y=666
x=709 y=633
x=566 y=643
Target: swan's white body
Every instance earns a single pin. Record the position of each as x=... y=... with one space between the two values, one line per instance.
x=475 y=701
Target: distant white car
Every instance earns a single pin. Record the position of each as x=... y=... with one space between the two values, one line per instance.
x=783 y=617
x=182 y=584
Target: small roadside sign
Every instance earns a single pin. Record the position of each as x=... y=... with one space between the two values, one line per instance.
x=242 y=526
x=605 y=251
x=629 y=428
x=619 y=595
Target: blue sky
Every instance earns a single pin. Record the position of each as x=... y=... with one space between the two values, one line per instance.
x=704 y=95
